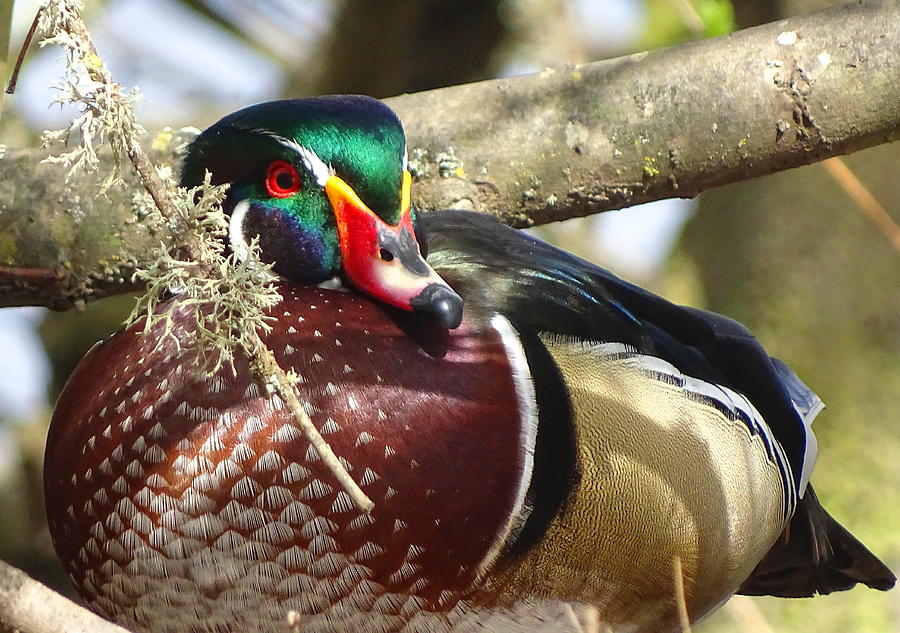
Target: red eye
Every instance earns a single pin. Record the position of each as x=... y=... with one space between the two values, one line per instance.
x=282 y=179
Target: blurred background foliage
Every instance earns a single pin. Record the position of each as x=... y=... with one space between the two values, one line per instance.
x=790 y=255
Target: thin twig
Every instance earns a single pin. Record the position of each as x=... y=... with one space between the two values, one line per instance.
x=680 y=601
x=265 y=367
x=16 y=274
x=28 y=606
x=294 y=621
x=6 y=17
x=14 y=78
x=688 y=15
x=585 y=620
x=865 y=201
x=157 y=189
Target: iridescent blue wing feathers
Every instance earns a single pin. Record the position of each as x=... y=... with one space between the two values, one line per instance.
x=542 y=288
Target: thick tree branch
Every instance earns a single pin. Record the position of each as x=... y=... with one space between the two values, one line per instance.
x=669 y=123
x=533 y=149
x=27 y=606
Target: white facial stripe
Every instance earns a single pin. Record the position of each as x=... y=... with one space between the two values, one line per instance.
x=405 y=158
x=236 y=230
x=310 y=160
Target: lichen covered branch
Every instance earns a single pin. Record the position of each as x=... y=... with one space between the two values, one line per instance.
x=550 y=146
x=229 y=295
x=574 y=141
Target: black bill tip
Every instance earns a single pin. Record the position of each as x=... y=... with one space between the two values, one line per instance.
x=440 y=303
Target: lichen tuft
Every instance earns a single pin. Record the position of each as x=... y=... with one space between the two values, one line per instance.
x=228 y=297
x=107 y=112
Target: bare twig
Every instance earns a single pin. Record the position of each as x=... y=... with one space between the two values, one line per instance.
x=5 y=37
x=684 y=620
x=14 y=78
x=688 y=14
x=293 y=620
x=266 y=368
x=13 y=275
x=67 y=27
x=865 y=201
x=27 y=606
x=585 y=620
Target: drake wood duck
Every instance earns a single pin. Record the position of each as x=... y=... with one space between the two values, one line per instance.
x=555 y=437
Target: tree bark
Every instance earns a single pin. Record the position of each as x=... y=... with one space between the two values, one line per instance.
x=27 y=606
x=533 y=149
x=669 y=123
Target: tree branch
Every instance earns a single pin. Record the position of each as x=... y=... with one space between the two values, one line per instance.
x=112 y=116
x=27 y=606
x=668 y=123
x=533 y=149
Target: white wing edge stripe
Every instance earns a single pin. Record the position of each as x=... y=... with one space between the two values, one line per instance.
x=810 y=454
x=811 y=450
x=529 y=423
x=774 y=448
x=736 y=403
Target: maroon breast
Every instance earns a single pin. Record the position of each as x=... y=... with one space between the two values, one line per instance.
x=188 y=502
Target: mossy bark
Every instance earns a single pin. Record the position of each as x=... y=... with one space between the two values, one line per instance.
x=543 y=147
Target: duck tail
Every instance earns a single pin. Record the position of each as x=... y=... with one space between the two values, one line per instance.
x=816 y=554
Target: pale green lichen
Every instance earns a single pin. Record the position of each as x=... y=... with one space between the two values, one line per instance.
x=227 y=296
x=174 y=141
x=107 y=112
x=449 y=164
x=418 y=163
x=649 y=168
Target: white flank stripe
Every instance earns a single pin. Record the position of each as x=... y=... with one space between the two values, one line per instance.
x=528 y=417
x=736 y=403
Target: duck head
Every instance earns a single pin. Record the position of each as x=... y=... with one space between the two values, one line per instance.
x=323 y=183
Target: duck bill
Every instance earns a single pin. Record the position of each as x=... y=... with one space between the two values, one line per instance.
x=384 y=261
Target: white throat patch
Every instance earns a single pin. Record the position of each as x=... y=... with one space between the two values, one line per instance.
x=236 y=230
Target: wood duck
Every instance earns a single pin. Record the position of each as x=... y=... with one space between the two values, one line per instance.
x=545 y=438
